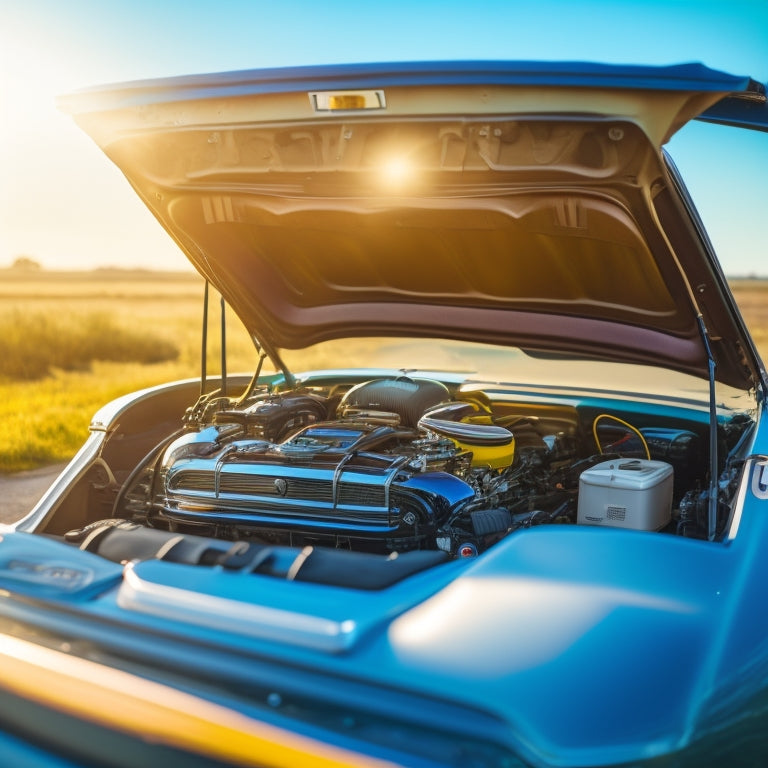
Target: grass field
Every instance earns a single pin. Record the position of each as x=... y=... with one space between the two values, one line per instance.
x=45 y=420
x=752 y=298
x=68 y=320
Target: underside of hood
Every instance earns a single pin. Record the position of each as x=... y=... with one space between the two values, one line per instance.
x=525 y=204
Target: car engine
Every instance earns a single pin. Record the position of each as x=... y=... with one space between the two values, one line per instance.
x=397 y=465
x=393 y=465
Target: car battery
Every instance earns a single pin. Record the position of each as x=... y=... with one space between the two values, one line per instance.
x=626 y=493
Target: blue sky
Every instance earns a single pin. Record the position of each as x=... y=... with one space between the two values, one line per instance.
x=62 y=203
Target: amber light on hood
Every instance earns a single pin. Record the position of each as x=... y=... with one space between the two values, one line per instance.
x=340 y=101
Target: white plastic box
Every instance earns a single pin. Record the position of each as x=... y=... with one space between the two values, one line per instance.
x=626 y=493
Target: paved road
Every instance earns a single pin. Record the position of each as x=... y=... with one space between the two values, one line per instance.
x=20 y=492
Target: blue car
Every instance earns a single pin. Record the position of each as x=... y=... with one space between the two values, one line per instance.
x=496 y=491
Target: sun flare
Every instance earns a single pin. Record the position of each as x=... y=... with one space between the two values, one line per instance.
x=397 y=171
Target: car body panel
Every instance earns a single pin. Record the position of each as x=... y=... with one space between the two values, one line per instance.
x=150 y=721
x=575 y=610
x=746 y=111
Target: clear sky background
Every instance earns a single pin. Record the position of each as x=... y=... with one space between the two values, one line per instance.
x=65 y=205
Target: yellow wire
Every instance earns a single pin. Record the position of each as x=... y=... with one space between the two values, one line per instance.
x=624 y=423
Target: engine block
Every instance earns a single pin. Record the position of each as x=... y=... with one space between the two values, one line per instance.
x=329 y=482
x=393 y=465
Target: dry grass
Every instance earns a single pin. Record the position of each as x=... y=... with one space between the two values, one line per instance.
x=163 y=312
x=81 y=324
x=33 y=345
x=752 y=298
x=46 y=420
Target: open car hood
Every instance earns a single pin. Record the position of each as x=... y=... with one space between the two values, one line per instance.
x=524 y=204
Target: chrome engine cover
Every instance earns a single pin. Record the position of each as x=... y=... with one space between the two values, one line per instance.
x=394 y=465
x=371 y=483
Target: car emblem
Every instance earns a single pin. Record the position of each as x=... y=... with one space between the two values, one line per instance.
x=281 y=486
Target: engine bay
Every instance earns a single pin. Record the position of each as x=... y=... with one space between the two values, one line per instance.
x=396 y=465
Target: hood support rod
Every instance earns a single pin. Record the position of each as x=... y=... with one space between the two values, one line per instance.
x=204 y=350
x=223 y=347
x=712 y=501
x=204 y=344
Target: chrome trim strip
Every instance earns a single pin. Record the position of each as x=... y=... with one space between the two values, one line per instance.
x=210 y=611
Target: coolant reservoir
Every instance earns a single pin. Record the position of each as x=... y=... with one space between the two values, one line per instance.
x=626 y=493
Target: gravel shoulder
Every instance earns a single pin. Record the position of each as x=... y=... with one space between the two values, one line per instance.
x=20 y=491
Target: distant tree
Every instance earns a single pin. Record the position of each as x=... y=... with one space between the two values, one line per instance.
x=26 y=264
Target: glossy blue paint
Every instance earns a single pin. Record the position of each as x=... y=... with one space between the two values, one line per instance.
x=740 y=112
x=633 y=635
